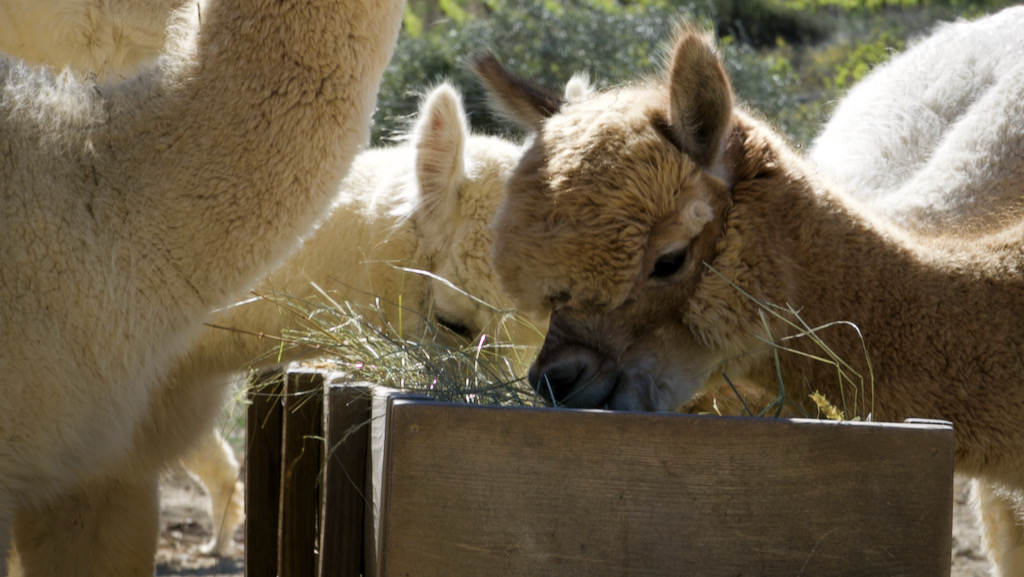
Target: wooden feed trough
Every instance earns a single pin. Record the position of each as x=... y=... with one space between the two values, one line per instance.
x=421 y=488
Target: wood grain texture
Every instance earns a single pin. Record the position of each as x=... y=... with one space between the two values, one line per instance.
x=301 y=450
x=346 y=440
x=383 y=399
x=505 y=492
x=262 y=474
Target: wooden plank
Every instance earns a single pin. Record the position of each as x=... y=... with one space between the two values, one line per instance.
x=262 y=474
x=501 y=491
x=301 y=448
x=346 y=438
x=380 y=408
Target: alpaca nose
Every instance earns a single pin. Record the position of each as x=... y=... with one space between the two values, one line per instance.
x=565 y=380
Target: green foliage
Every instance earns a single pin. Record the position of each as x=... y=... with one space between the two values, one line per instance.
x=453 y=10
x=762 y=24
x=538 y=43
x=412 y=23
x=791 y=60
x=613 y=45
x=880 y=5
x=764 y=81
x=864 y=57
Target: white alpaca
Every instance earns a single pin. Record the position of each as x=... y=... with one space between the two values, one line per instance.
x=108 y=38
x=127 y=212
x=116 y=40
x=932 y=139
x=916 y=137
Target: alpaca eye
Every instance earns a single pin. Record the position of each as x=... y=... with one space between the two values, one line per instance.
x=454 y=327
x=669 y=264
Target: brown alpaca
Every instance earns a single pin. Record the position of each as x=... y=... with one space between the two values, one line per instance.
x=649 y=218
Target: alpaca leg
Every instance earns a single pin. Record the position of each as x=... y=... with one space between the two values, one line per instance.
x=213 y=461
x=106 y=527
x=1001 y=515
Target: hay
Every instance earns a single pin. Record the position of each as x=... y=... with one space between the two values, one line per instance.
x=358 y=340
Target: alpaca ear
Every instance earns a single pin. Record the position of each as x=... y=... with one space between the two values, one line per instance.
x=578 y=87
x=521 y=100
x=439 y=139
x=700 y=98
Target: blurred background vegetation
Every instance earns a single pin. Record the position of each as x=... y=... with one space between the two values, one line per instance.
x=789 y=59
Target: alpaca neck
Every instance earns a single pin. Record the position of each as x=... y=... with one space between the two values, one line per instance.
x=937 y=315
x=261 y=135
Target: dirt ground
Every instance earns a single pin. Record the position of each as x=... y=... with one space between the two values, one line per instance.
x=968 y=558
x=185 y=525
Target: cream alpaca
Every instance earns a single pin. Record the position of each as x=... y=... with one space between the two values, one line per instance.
x=108 y=38
x=635 y=215
x=426 y=205
x=109 y=41
x=116 y=39
x=129 y=211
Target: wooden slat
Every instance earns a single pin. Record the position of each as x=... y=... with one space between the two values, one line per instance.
x=380 y=408
x=346 y=437
x=301 y=450
x=497 y=491
x=262 y=475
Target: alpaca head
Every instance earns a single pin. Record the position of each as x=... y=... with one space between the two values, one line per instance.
x=461 y=179
x=609 y=217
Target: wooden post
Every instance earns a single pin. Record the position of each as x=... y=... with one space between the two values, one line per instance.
x=346 y=435
x=262 y=474
x=301 y=449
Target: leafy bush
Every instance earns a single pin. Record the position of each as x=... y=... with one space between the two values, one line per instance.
x=766 y=46
x=548 y=46
x=762 y=24
x=865 y=57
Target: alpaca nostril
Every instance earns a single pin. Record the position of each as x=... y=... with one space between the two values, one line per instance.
x=555 y=381
x=563 y=374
